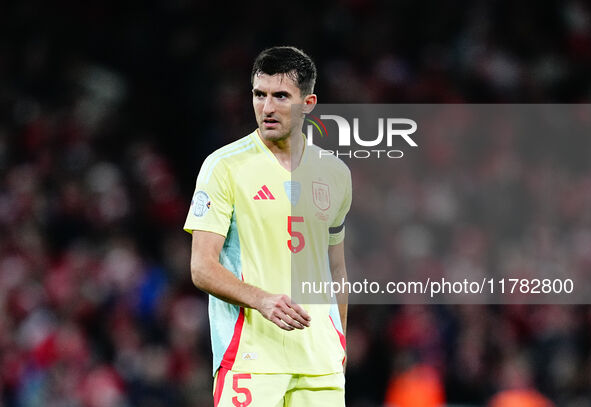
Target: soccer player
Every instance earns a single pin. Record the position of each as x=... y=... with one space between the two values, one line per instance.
x=262 y=204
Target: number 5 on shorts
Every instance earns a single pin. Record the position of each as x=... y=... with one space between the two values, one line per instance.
x=241 y=390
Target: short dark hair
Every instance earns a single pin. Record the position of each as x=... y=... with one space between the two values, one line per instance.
x=290 y=61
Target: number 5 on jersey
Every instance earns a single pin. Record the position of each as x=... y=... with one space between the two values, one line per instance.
x=301 y=242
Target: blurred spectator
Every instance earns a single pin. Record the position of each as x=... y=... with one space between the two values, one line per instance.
x=418 y=386
x=520 y=398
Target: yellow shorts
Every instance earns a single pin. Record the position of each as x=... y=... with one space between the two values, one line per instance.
x=234 y=389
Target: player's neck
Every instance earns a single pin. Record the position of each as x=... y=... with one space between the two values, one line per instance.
x=288 y=151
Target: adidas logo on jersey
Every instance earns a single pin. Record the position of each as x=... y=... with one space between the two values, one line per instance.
x=263 y=194
x=250 y=356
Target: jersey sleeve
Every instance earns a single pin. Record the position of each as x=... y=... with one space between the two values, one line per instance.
x=213 y=201
x=337 y=229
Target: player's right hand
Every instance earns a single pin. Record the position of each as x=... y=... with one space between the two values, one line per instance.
x=279 y=309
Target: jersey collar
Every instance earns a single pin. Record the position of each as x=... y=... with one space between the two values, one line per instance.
x=269 y=154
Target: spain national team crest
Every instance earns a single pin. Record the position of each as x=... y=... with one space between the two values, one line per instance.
x=321 y=195
x=293 y=190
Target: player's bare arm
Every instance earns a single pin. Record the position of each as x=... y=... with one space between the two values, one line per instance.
x=338 y=270
x=210 y=276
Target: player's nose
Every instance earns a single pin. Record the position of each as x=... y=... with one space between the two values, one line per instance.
x=269 y=106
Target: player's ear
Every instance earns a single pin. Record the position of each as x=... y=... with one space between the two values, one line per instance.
x=309 y=103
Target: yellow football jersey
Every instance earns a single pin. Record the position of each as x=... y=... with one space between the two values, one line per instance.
x=272 y=219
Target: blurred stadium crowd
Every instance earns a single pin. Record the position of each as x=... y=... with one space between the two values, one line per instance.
x=108 y=109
